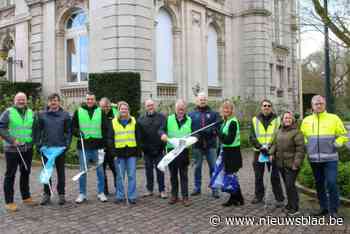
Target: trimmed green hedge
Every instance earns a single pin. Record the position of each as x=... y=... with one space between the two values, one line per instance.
x=11 y=88
x=306 y=177
x=123 y=86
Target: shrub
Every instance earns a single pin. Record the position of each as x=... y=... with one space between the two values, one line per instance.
x=11 y=88
x=306 y=177
x=124 y=86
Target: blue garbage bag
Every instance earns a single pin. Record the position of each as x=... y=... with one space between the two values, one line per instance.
x=51 y=153
x=222 y=180
x=263 y=158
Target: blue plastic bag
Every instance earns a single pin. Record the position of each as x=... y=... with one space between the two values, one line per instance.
x=221 y=180
x=51 y=153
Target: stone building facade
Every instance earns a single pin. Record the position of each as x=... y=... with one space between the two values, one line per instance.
x=226 y=48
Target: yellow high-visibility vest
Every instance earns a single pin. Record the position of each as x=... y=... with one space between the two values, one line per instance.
x=265 y=136
x=322 y=134
x=124 y=136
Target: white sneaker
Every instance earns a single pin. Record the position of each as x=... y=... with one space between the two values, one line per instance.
x=102 y=197
x=81 y=198
x=163 y=195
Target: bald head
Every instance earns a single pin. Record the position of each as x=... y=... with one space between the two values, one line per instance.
x=20 y=100
x=202 y=100
x=150 y=106
x=180 y=108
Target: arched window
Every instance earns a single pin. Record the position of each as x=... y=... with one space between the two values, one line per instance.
x=213 y=57
x=77 y=43
x=164 y=47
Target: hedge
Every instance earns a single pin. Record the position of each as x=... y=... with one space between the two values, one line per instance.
x=122 y=86
x=32 y=89
x=306 y=177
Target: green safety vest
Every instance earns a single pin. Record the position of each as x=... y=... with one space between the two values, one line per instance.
x=224 y=129
x=90 y=127
x=115 y=112
x=175 y=131
x=19 y=128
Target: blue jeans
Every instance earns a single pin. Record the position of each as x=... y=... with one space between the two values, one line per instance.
x=325 y=174
x=198 y=155
x=127 y=165
x=91 y=155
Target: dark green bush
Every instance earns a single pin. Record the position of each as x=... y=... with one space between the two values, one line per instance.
x=306 y=177
x=123 y=86
x=11 y=88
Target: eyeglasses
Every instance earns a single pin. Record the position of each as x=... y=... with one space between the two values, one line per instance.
x=266 y=105
x=319 y=103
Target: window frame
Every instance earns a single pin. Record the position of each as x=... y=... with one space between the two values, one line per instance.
x=75 y=34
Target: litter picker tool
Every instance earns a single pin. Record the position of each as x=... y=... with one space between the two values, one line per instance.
x=21 y=156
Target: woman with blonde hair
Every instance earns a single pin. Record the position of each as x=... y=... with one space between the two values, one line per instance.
x=122 y=142
x=229 y=136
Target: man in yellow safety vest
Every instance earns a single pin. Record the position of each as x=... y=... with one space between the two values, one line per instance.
x=264 y=126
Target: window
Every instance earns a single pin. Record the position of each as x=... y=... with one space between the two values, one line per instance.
x=278 y=21
x=213 y=57
x=280 y=73
x=77 y=44
x=164 y=47
x=6 y=3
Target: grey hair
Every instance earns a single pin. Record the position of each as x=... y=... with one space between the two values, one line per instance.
x=180 y=102
x=317 y=98
x=105 y=99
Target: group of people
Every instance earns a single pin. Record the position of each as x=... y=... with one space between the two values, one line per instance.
x=111 y=131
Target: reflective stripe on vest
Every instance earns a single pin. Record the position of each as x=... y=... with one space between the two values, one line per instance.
x=19 y=128
x=265 y=136
x=124 y=136
x=224 y=129
x=174 y=130
x=322 y=133
x=90 y=127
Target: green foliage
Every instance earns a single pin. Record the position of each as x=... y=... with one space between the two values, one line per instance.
x=124 y=86
x=11 y=88
x=306 y=177
x=7 y=101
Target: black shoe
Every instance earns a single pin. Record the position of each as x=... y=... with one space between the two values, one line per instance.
x=231 y=201
x=45 y=200
x=195 y=193
x=256 y=201
x=132 y=201
x=320 y=213
x=293 y=212
x=61 y=199
x=215 y=194
x=118 y=201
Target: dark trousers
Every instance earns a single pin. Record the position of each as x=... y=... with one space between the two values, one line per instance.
x=289 y=177
x=13 y=160
x=326 y=174
x=151 y=162
x=109 y=161
x=259 y=169
x=182 y=169
x=61 y=178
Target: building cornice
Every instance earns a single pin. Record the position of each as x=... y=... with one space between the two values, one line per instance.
x=16 y=20
x=255 y=12
x=213 y=8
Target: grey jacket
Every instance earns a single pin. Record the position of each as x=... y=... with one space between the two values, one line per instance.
x=9 y=140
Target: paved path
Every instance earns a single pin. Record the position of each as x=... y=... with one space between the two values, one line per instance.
x=149 y=215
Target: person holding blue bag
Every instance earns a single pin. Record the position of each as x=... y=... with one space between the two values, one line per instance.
x=229 y=136
x=53 y=137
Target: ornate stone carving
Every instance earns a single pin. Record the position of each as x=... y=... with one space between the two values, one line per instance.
x=7 y=14
x=64 y=4
x=196 y=18
x=172 y=2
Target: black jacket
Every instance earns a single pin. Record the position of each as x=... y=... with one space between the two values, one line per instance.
x=88 y=143
x=53 y=128
x=231 y=155
x=125 y=152
x=150 y=128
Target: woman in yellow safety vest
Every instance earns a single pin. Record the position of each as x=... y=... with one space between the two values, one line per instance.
x=122 y=142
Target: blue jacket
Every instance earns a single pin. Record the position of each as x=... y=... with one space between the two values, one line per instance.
x=207 y=138
x=54 y=128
